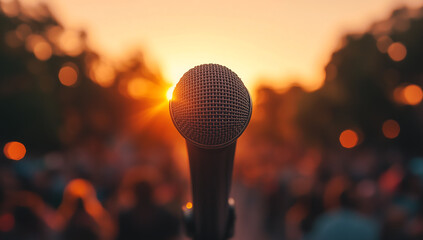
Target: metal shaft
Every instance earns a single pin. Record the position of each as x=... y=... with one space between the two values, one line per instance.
x=211 y=175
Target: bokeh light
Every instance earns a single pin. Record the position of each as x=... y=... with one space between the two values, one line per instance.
x=102 y=73
x=68 y=74
x=70 y=43
x=42 y=50
x=348 y=138
x=412 y=94
x=14 y=150
x=391 y=129
x=397 y=51
x=188 y=205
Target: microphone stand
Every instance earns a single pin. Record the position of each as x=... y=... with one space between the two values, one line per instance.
x=212 y=216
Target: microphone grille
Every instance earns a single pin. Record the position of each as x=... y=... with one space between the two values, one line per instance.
x=210 y=106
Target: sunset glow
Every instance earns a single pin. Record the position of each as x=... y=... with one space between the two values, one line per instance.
x=273 y=47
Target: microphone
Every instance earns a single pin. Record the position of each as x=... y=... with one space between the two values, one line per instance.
x=210 y=108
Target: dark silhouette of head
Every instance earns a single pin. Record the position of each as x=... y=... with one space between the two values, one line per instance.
x=143 y=192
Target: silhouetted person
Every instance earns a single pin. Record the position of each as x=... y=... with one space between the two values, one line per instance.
x=81 y=226
x=345 y=224
x=146 y=220
x=404 y=216
x=28 y=225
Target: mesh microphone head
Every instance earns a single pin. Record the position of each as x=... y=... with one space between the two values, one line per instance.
x=210 y=106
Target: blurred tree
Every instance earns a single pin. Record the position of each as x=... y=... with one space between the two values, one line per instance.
x=54 y=90
x=364 y=86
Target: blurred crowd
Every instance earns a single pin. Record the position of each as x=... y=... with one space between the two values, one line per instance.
x=89 y=150
x=52 y=198
x=344 y=161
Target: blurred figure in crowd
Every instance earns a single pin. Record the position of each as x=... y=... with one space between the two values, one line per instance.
x=146 y=220
x=403 y=219
x=345 y=223
x=19 y=221
x=81 y=226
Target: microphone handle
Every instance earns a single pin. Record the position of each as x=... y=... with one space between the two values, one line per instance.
x=211 y=175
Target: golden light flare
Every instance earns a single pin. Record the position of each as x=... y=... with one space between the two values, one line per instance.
x=68 y=74
x=139 y=88
x=397 y=51
x=14 y=150
x=144 y=118
x=136 y=88
x=390 y=129
x=169 y=93
x=348 y=138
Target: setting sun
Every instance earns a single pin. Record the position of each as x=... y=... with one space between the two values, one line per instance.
x=169 y=93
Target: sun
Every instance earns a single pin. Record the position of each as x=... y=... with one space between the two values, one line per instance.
x=169 y=93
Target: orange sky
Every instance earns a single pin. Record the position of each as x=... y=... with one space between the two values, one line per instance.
x=268 y=41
